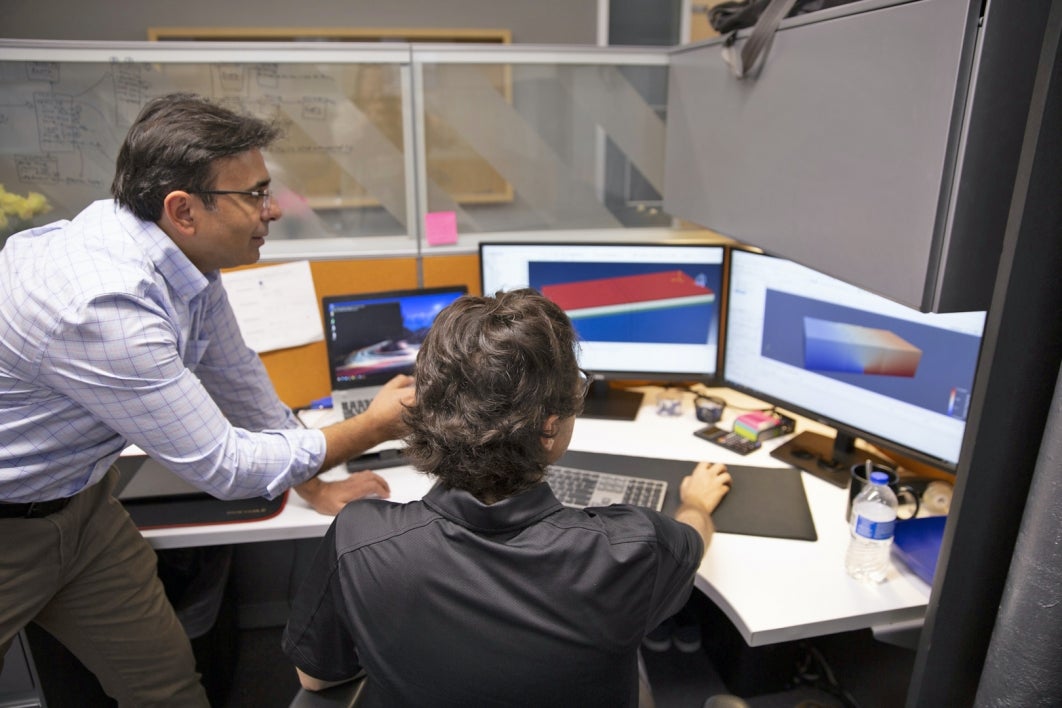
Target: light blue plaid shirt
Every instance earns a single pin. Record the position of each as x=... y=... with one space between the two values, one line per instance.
x=110 y=336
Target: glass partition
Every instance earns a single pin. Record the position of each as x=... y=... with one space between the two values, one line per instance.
x=537 y=139
x=530 y=139
x=340 y=170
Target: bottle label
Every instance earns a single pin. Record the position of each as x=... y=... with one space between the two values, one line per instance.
x=875 y=530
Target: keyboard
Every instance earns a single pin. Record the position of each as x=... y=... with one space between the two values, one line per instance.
x=581 y=488
x=352 y=408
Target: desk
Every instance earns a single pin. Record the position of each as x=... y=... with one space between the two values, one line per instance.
x=773 y=590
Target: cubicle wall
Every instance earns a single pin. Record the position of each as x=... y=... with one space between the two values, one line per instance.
x=879 y=143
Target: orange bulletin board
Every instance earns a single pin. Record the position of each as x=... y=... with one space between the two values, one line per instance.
x=300 y=374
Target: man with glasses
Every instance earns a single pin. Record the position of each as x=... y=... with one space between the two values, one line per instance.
x=489 y=591
x=115 y=330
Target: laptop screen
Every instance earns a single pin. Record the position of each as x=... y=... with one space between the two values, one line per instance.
x=371 y=337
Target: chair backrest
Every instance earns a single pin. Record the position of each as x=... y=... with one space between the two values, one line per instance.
x=345 y=695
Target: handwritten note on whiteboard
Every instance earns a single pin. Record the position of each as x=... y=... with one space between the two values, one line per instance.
x=275 y=306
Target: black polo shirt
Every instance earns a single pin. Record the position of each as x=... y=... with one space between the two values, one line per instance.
x=451 y=602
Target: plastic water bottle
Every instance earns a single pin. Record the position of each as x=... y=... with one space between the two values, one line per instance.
x=872 y=526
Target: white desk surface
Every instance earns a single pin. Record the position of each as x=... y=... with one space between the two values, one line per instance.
x=773 y=590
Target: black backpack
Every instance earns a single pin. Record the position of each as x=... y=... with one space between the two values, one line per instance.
x=763 y=16
x=727 y=17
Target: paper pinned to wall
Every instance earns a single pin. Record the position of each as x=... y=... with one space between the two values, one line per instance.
x=275 y=306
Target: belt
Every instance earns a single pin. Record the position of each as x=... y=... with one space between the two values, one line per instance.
x=32 y=510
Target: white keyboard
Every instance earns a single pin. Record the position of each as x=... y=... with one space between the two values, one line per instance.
x=581 y=488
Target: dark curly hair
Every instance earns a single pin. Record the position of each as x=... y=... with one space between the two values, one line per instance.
x=174 y=143
x=489 y=374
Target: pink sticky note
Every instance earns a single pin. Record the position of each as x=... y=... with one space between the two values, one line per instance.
x=440 y=227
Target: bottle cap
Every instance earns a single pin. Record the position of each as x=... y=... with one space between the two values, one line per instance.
x=879 y=477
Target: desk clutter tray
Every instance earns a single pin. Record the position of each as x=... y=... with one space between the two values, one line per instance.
x=762 y=501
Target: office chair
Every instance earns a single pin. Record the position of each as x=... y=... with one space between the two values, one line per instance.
x=20 y=687
x=348 y=695
x=725 y=700
x=345 y=695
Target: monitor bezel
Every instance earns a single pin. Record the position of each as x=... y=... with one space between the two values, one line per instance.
x=606 y=375
x=845 y=434
x=328 y=300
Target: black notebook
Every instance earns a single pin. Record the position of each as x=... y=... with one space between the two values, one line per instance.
x=763 y=501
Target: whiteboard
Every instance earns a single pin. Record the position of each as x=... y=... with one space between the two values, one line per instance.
x=65 y=109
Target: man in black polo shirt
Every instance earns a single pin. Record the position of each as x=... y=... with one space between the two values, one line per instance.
x=489 y=591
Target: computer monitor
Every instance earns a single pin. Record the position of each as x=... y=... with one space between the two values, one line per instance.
x=372 y=337
x=642 y=311
x=857 y=362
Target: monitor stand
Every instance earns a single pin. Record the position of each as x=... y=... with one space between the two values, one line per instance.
x=826 y=458
x=609 y=403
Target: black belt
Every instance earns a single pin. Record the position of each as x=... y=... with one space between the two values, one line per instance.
x=32 y=510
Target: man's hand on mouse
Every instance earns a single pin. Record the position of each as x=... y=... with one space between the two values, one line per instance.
x=701 y=493
x=706 y=487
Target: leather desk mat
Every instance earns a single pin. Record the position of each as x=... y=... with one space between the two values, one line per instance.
x=763 y=501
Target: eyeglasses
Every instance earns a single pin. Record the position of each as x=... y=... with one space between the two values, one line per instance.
x=266 y=195
x=587 y=379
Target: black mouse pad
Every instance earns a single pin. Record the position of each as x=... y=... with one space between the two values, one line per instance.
x=763 y=501
x=766 y=501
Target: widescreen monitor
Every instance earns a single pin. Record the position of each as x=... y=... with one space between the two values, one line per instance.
x=860 y=363
x=642 y=311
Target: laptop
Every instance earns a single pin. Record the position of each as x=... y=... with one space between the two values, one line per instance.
x=372 y=337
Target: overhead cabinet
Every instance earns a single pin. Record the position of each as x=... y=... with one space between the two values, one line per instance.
x=878 y=144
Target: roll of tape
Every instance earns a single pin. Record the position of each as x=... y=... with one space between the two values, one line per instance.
x=937 y=498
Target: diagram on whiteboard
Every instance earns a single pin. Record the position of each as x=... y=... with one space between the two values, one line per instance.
x=62 y=123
